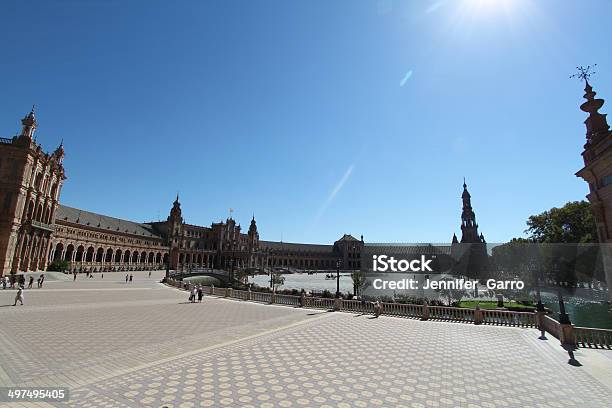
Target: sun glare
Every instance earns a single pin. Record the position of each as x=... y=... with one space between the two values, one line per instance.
x=480 y=7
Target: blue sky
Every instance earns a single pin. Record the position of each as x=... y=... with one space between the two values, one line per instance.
x=294 y=110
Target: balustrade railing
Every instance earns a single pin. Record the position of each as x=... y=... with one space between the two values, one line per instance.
x=451 y=313
x=591 y=337
x=402 y=309
x=509 y=318
x=290 y=300
x=319 y=303
x=265 y=297
x=582 y=336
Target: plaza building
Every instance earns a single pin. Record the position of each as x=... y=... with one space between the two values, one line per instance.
x=36 y=230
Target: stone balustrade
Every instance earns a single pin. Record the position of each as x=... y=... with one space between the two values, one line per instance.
x=567 y=334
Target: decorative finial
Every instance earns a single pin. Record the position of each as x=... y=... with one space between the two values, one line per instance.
x=584 y=73
x=464 y=185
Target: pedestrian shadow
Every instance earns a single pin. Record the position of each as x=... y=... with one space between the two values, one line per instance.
x=318 y=313
x=7 y=305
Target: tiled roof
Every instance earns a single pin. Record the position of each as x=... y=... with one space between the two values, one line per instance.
x=292 y=247
x=347 y=237
x=103 y=222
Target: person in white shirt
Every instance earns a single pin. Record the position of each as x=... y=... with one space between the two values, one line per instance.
x=19 y=296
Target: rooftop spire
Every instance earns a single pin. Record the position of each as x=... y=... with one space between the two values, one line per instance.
x=29 y=124
x=596 y=124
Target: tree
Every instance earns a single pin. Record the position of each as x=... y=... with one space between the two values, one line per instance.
x=359 y=280
x=572 y=223
x=277 y=280
x=58 y=266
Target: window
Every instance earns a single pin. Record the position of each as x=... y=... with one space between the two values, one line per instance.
x=606 y=180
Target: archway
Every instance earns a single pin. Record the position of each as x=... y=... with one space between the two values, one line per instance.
x=57 y=255
x=80 y=253
x=69 y=252
x=89 y=256
x=100 y=255
x=109 y=255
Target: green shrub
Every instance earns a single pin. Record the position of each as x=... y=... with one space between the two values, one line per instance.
x=58 y=266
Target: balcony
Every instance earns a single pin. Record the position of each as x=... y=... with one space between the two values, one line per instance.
x=42 y=226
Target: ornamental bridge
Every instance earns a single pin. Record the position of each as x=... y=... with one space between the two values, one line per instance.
x=220 y=274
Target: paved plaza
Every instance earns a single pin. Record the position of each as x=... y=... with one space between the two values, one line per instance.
x=142 y=344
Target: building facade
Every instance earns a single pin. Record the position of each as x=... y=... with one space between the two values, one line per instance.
x=37 y=231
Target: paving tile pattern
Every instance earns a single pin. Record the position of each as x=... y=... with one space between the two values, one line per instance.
x=147 y=348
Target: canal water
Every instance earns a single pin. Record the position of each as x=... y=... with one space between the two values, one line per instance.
x=586 y=307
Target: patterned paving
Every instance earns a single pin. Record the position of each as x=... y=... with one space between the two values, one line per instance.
x=149 y=349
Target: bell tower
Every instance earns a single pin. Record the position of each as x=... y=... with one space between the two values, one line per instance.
x=175 y=233
x=597 y=170
x=29 y=196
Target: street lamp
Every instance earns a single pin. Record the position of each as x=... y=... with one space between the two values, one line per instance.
x=338 y=278
x=232 y=263
x=354 y=268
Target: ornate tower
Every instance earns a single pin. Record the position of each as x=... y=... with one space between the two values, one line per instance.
x=253 y=243
x=253 y=236
x=597 y=170
x=30 y=185
x=470 y=253
x=597 y=157
x=175 y=233
x=469 y=226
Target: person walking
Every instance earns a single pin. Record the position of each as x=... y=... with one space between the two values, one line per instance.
x=131 y=277
x=74 y=273
x=19 y=296
x=31 y=282
x=4 y=282
x=42 y=280
x=200 y=293
x=194 y=293
x=149 y=274
x=126 y=278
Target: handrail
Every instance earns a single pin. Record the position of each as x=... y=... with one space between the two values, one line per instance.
x=593 y=337
x=584 y=336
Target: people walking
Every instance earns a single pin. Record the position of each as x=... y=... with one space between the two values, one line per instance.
x=31 y=282
x=19 y=296
x=200 y=293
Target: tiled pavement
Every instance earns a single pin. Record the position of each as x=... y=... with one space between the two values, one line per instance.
x=141 y=345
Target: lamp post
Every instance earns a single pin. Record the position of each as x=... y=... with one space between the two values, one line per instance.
x=232 y=263
x=563 y=316
x=354 y=266
x=338 y=278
